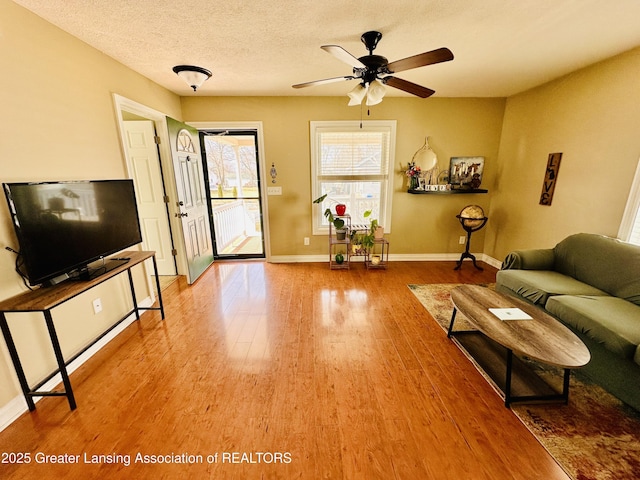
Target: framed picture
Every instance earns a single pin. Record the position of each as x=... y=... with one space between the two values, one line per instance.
x=466 y=172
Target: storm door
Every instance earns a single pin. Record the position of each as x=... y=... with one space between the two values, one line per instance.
x=232 y=175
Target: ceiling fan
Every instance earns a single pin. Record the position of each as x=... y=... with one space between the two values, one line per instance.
x=375 y=71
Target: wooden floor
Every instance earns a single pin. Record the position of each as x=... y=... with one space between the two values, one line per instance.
x=283 y=371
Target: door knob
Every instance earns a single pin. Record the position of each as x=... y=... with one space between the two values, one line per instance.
x=182 y=215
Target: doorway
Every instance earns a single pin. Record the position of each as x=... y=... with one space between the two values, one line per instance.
x=143 y=159
x=232 y=175
x=173 y=247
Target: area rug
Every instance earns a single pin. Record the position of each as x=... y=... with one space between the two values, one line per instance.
x=594 y=437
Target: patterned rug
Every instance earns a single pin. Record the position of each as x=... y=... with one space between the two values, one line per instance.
x=594 y=437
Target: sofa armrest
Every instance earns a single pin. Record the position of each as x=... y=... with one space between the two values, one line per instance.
x=534 y=259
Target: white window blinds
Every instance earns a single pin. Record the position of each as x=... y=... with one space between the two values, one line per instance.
x=352 y=165
x=353 y=153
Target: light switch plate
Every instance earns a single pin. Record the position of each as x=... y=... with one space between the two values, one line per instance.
x=274 y=190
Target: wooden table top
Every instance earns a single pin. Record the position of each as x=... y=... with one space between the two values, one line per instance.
x=46 y=298
x=543 y=338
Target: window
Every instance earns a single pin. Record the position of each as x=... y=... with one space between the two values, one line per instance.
x=351 y=162
x=630 y=227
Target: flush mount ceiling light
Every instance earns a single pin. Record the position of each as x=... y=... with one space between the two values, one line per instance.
x=192 y=75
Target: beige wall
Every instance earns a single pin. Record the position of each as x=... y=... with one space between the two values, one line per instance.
x=58 y=123
x=421 y=224
x=592 y=117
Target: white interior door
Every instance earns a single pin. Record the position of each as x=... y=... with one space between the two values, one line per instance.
x=192 y=202
x=144 y=165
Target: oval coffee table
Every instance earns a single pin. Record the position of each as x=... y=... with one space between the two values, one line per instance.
x=541 y=338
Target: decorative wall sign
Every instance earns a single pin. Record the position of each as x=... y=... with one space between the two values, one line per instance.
x=550 y=178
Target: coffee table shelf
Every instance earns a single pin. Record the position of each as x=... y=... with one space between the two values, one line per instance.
x=491 y=358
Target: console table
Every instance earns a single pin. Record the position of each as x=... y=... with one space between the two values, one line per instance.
x=46 y=299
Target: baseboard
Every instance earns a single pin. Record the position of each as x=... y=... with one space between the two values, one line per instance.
x=411 y=257
x=491 y=261
x=17 y=406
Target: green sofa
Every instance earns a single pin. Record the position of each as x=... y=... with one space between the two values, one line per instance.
x=591 y=283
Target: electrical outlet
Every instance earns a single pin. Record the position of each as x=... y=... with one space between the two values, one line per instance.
x=306 y=240
x=462 y=240
x=97 y=306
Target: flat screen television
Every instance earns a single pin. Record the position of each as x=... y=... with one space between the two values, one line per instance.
x=63 y=227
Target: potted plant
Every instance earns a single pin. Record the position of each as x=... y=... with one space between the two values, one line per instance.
x=356 y=243
x=374 y=233
x=337 y=222
x=364 y=241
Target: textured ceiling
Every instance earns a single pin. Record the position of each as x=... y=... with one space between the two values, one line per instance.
x=262 y=47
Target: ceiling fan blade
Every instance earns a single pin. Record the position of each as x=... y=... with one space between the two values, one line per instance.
x=322 y=82
x=341 y=54
x=409 y=87
x=421 y=60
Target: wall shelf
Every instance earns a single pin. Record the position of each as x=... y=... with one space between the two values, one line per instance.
x=447 y=192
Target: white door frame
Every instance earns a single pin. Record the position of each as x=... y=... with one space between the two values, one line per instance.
x=263 y=168
x=123 y=104
x=144 y=162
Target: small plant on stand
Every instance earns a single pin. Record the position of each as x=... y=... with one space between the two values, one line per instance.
x=368 y=239
x=341 y=208
x=364 y=242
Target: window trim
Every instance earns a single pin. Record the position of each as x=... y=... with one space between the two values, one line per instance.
x=351 y=125
x=632 y=208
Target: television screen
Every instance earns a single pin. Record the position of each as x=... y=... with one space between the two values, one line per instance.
x=64 y=226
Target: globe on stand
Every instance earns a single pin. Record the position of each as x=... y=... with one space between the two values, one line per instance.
x=472 y=219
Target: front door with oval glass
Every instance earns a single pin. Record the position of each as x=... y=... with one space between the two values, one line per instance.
x=191 y=208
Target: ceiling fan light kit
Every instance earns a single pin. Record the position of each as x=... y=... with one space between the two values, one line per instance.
x=192 y=75
x=375 y=71
x=357 y=94
x=376 y=92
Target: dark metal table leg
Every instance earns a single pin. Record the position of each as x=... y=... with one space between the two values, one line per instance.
x=133 y=294
x=13 y=352
x=60 y=358
x=565 y=385
x=507 y=388
x=155 y=269
x=453 y=317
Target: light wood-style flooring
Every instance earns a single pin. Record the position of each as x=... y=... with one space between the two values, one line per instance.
x=284 y=371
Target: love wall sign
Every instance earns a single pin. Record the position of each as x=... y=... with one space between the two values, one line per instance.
x=550 y=178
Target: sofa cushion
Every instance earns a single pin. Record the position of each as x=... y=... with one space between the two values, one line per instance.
x=606 y=263
x=537 y=286
x=611 y=321
x=532 y=259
